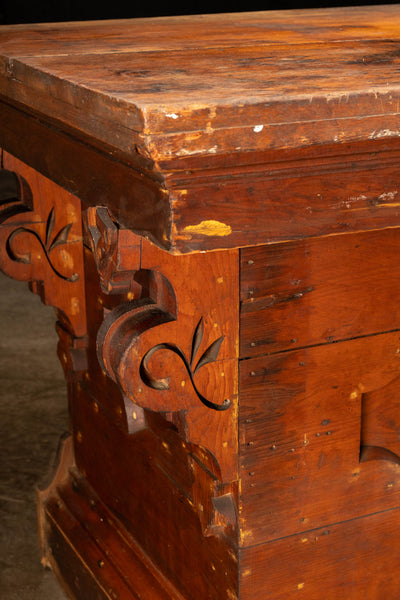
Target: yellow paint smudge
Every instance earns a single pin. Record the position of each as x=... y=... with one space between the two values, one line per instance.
x=300 y=586
x=209 y=228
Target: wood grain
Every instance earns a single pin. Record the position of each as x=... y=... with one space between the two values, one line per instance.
x=301 y=416
x=239 y=182
x=281 y=81
x=318 y=291
x=74 y=521
x=152 y=481
x=352 y=560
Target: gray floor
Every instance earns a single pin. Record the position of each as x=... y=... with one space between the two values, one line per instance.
x=33 y=415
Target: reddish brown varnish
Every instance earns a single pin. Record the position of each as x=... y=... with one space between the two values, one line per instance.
x=211 y=204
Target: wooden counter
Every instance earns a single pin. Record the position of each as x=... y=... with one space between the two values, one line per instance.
x=212 y=205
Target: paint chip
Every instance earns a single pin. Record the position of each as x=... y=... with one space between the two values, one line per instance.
x=209 y=228
x=300 y=586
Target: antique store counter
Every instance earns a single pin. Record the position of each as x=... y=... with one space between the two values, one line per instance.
x=212 y=205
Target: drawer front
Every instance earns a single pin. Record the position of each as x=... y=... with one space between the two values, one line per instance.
x=318 y=291
x=319 y=436
x=350 y=561
x=319 y=418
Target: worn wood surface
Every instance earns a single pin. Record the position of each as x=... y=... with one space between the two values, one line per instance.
x=75 y=522
x=281 y=81
x=155 y=440
x=139 y=68
x=301 y=418
x=352 y=560
x=318 y=291
x=233 y=386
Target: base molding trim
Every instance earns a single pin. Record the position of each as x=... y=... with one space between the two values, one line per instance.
x=74 y=523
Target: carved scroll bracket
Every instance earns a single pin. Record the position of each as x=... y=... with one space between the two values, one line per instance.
x=172 y=345
x=40 y=233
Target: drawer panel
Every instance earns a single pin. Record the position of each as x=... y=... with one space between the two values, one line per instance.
x=318 y=291
x=319 y=436
x=354 y=560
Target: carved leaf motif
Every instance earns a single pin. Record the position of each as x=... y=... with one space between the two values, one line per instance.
x=197 y=339
x=211 y=354
x=61 y=237
x=50 y=226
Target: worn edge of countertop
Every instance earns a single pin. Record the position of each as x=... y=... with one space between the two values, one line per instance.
x=162 y=154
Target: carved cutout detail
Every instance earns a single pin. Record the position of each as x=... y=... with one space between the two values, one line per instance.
x=140 y=317
x=103 y=236
x=209 y=355
x=15 y=195
x=47 y=246
x=124 y=324
x=380 y=424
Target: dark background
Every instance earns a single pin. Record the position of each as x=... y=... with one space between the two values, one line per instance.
x=24 y=11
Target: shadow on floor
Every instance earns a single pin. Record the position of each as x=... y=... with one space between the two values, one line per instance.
x=33 y=415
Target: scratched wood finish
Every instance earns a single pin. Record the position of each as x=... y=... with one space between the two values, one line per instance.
x=31 y=256
x=234 y=418
x=75 y=522
x=152 y=476
x=259 y=40
x=350 y=560
x=320 y=290
x=155 y=104
x=308 y=420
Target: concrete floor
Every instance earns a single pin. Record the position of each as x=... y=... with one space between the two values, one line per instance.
x=33 y=415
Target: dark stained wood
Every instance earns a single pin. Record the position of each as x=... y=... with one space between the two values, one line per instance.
x=154 y=482
x=77 y=523
x=293 y=199
x=91 y=173
x=125 y=327
x=360 y=41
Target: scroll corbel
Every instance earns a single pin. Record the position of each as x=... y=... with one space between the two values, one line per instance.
x=171 y=346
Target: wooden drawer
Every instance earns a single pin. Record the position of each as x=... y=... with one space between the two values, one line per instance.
x=352 y=561
x=318 y=291
x=319 y=424
x=319 y=436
